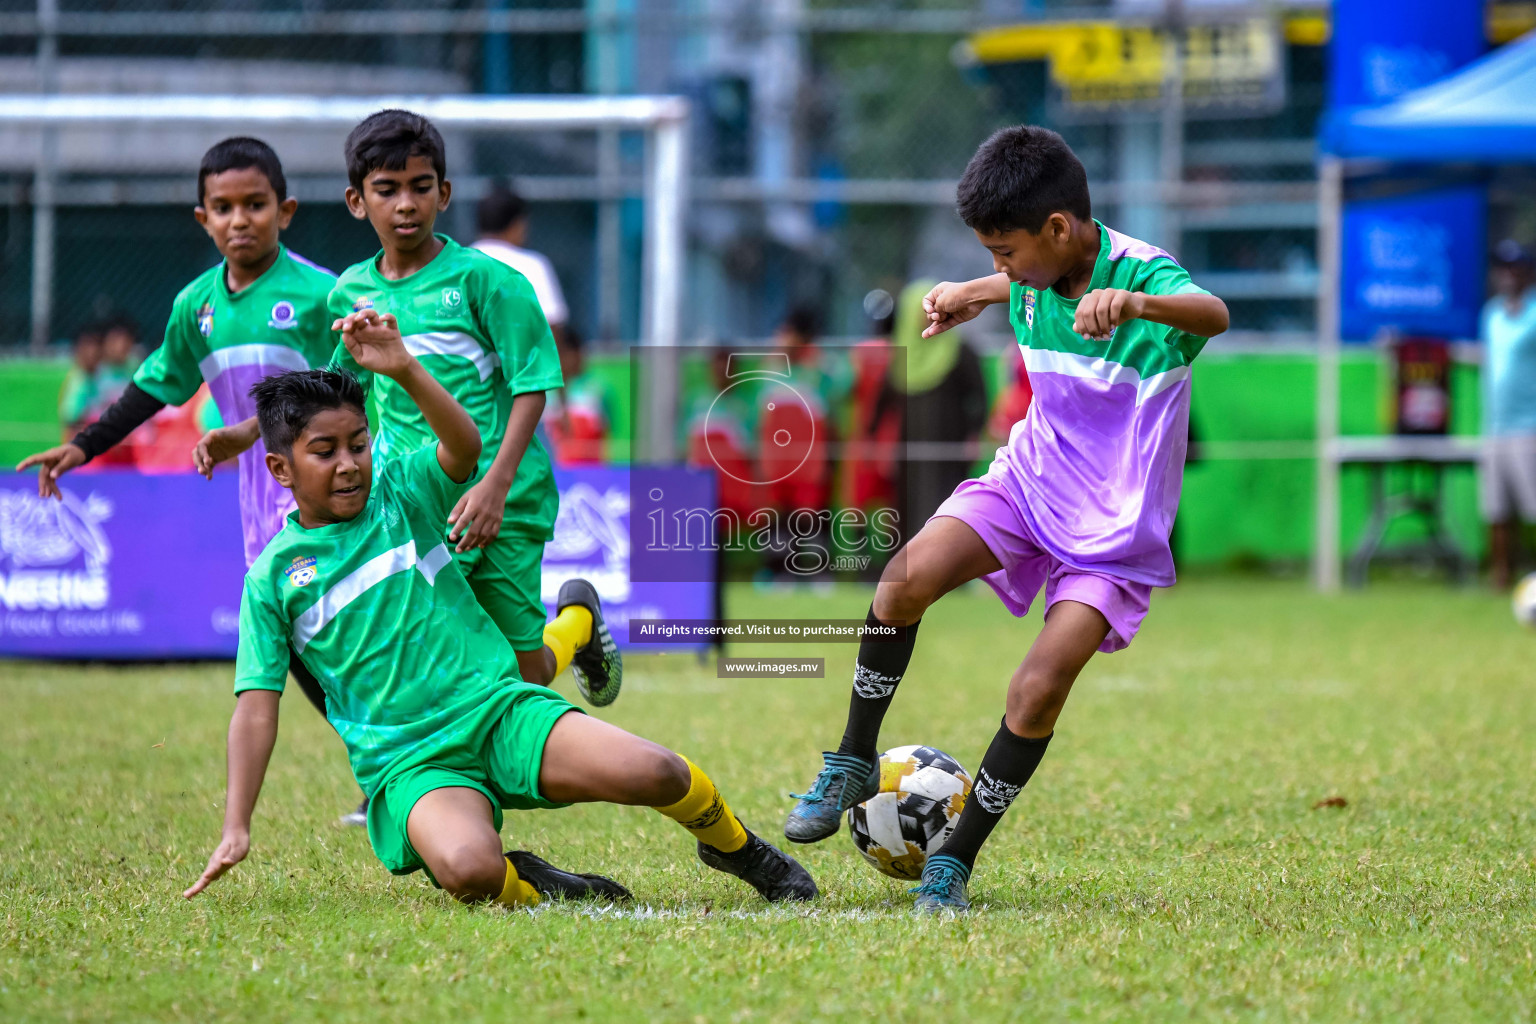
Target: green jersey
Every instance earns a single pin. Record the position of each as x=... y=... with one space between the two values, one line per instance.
x=476 y=326
x=233 y=339
x=413 y=669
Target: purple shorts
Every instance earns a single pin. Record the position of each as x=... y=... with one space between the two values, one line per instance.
x=1026 y=565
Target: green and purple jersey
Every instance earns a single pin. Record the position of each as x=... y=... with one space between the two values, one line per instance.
x=233 y=339
x=476 y=326
x=1097 y=464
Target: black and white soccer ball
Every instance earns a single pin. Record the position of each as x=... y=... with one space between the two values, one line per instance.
x=922 y=791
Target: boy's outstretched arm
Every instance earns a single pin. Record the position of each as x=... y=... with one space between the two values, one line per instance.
x=949 y=304
x=1104 y=309
x=477 y=516
x=374 y=342
x=252 y=733
x=122 y=418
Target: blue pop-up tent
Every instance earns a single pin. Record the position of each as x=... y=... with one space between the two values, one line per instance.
x=1485 y=113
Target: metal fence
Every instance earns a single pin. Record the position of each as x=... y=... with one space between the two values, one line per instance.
x=825 y=143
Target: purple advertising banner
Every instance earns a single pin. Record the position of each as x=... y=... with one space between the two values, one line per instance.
x=126 y=566
x=597 y=538
x=137 y=567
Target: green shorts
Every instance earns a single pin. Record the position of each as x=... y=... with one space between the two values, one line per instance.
x=505 y=576
x=504 y=765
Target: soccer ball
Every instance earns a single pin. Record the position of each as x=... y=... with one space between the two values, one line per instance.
x=922 y=791
x=1523 y=601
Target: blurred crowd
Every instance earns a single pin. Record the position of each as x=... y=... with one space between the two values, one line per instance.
x=104 y=357
x=894 y=421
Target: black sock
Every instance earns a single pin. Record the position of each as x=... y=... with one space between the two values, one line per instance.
x=882 y=662
x=1009 y=763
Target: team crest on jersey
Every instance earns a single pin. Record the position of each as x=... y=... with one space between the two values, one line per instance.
x=453 y=298
x=283 y=316
x=361 y=304
x=205 y=319
x=1029 y=310
x=302 y=572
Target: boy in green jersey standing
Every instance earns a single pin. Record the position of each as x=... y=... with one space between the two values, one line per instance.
x=261 y=310
x=419 y=681
x=477 y=327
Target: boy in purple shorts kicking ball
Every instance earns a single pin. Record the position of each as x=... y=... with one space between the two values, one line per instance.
x=1080 y=500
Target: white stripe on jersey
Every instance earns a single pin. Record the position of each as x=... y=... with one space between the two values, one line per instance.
x=453 y=343
x=278 y=357
x=360 y=580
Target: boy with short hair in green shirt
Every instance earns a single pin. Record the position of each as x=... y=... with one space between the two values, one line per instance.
x=476 y=325
x=419 y=682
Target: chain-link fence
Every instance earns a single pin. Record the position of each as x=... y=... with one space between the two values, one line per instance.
x=826 y=140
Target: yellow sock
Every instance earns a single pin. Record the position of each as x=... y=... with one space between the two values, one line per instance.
x=516 y=892
x=571 y=629
x=704 y=813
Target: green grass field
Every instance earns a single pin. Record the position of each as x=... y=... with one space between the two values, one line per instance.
x=1166 y=863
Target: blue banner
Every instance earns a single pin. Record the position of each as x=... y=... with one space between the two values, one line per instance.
x=1378 y=52
x=138 y=567
x=1414 y=264
x=126 y=566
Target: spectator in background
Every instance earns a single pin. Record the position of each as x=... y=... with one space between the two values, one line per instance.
x=503 y=225
x=940 y=385
x=1012 y=400
x=77 y=398
x=120 y=357
x=580 y=419
x=796 y=429
x=719 y=431
x=1508 y=476
x=868 y=477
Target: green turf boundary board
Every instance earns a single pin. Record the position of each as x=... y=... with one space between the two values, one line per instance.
x=1247 y=501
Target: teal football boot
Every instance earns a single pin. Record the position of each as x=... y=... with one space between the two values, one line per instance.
x=843 y=781
x=943 y=888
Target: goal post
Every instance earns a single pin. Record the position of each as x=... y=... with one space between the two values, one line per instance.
x=663 y=119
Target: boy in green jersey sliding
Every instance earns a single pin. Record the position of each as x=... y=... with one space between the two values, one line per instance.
x=419 y=681
x=476 y=325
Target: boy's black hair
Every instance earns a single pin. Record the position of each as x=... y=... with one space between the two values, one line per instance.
x=500 y=208
x=1018 y=178
x=286 y=402
x=237 y=153
x=387 y=140
x=121 y=322
x=803 y=321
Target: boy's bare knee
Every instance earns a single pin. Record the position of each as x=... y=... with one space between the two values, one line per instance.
x=536 y=667
x=1035 y=699
x=901 y=602
x=471 y=873
x=666 y=777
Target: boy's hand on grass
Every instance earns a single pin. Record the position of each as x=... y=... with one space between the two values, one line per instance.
x=220 y=445
x=53 y=463
x=373 y=340
x=950 y=305
x=477 y=516
x=231 y=851
x=1103 y=309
